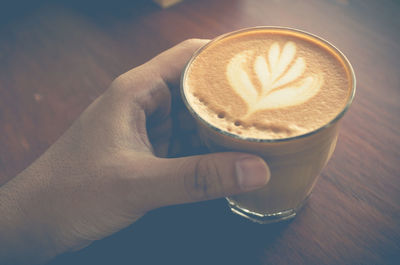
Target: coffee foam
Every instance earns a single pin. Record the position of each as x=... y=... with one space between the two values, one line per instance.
x=267 y=84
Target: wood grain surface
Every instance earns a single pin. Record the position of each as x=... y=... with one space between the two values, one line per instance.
x=56 y=57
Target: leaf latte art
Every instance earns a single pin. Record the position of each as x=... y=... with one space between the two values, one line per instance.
x=279 y=76
x=267 y=83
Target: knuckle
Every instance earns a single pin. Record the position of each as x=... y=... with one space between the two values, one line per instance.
x=206 y=182
x=119 y=81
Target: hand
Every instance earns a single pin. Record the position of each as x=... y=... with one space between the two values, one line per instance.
x=103 y=173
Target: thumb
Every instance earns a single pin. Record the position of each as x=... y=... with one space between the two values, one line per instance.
x=204 y=177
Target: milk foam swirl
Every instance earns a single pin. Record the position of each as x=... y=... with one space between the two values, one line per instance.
x=282 y=78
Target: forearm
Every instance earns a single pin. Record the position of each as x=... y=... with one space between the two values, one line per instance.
x=24 y=227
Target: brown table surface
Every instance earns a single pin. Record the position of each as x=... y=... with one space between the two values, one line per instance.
x=55 y=59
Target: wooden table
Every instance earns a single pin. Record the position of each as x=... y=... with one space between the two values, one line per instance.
x=55 y=59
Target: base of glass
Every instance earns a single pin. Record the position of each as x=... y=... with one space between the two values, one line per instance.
x=265 y=218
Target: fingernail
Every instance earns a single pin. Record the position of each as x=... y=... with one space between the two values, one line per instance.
x=252 y=172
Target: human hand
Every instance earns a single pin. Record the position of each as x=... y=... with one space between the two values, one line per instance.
x=108 y=169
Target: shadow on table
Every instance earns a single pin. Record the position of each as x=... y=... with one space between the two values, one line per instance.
x=200 y=233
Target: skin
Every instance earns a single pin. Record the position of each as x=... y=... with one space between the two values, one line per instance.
x=109 y=168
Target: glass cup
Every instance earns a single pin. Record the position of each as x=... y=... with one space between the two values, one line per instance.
x=295 y=162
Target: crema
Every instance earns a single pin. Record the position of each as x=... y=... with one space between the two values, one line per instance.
x=267 y=84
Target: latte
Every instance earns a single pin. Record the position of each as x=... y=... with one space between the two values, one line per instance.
x=275 y=92
x=267 y=84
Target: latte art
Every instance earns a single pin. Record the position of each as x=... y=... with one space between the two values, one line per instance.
x=267 y=84
x=281 y=78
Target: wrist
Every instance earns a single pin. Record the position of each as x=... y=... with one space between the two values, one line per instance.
x=26 y=235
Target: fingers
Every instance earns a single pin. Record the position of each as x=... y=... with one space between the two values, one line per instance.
x=167 y=68
x=205 y=177
x=170 y=63
x=149 y=84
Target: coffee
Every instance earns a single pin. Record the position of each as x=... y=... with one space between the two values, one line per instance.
x=277 y=93
x=267 y=84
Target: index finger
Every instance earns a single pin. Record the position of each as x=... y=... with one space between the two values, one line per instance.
x=149 y=84
x=170 y=63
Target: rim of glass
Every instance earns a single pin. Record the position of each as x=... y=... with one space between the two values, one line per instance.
x=252 y=139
